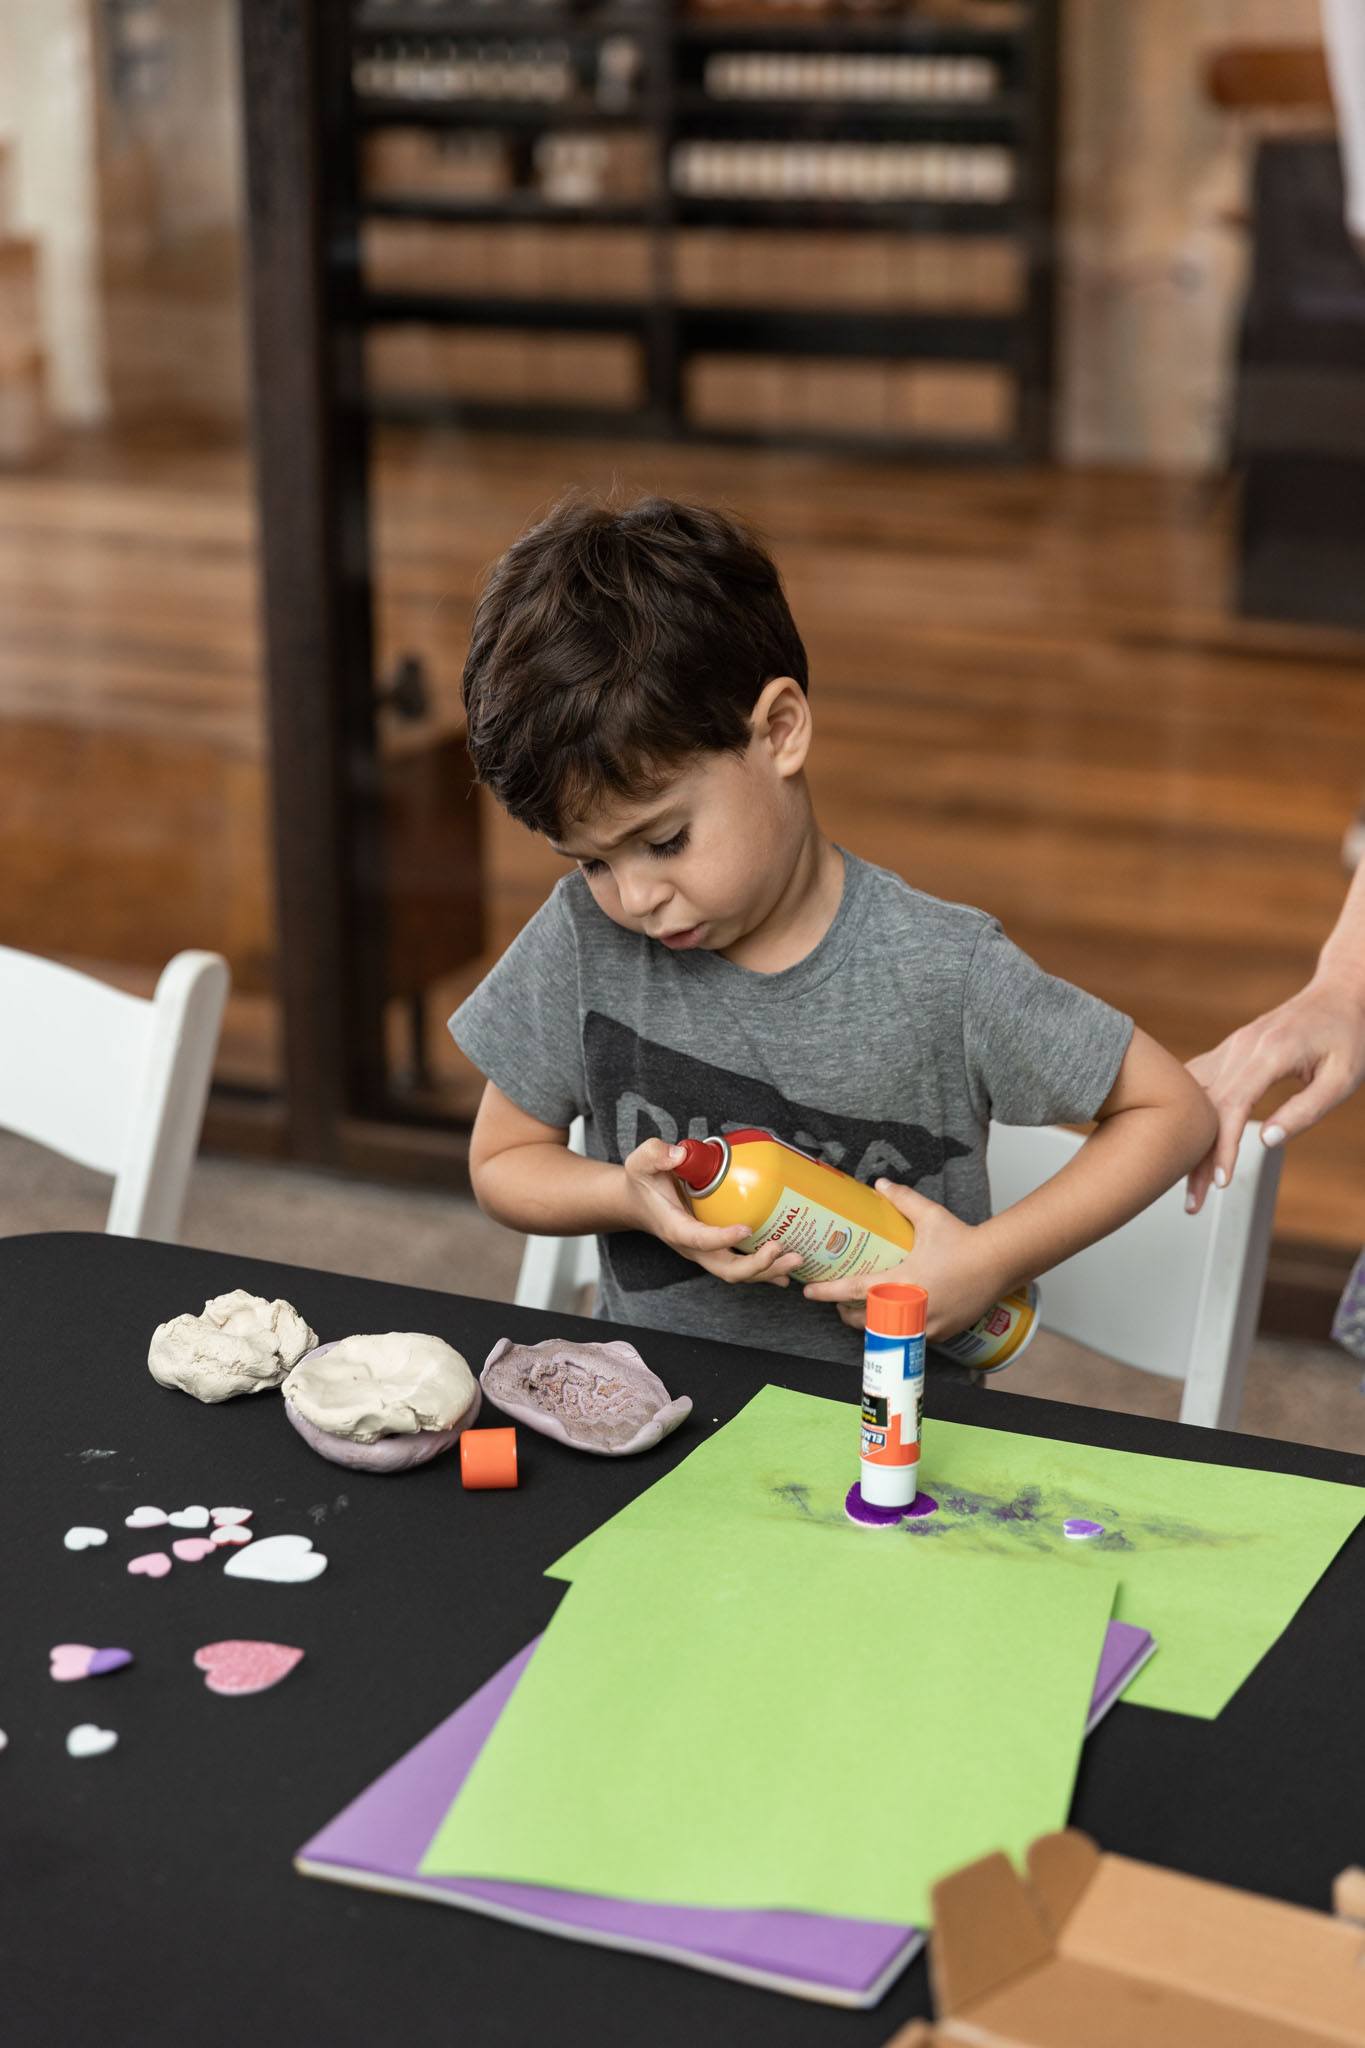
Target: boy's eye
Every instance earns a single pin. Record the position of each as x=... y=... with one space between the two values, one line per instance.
x=667 y=847
x=591 y=867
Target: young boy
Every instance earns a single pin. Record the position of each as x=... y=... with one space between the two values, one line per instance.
x=636 y=691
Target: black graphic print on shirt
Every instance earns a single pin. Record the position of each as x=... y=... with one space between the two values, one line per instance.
x=638 y=1090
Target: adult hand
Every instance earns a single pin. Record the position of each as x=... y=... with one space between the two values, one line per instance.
x=1318 y=1037
x=654 y=1202
x=951 y=1260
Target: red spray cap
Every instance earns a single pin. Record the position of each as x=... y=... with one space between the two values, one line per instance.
x=896 y=1309
x=703 y=1162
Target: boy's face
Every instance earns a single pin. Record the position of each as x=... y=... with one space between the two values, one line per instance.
x=701 y=863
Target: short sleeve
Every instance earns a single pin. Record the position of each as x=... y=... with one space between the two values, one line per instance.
x=1037 y=1050
x=521 y=1026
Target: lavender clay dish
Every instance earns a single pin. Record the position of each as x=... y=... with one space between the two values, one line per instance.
x=594 y=1397
x=382 y=1403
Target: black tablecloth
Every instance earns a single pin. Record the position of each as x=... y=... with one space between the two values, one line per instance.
x=149 y=1896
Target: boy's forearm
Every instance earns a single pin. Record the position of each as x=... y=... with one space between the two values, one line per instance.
x=552 y=1192
x=1132 y=1157
x=1341 y=963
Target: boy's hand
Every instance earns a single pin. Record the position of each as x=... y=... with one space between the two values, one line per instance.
x=654 y=1203
x=951 y=1260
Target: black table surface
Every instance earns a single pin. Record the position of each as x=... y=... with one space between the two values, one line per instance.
x=149 y=1895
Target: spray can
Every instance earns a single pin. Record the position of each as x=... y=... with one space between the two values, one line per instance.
x=893 y=1398
x=841 y=1228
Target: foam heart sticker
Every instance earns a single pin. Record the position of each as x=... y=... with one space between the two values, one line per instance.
x=288 y=1560
x=85 y=1539
x=230 y=1534
x=189 y=1518
x=191 y=1549
x=229 y=1517
x=239 y=1667
x=145 y=1518
x=153 y=1564
x=88 y=1740
x=79 y=1660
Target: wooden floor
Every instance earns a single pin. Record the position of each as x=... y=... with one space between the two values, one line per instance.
x=1029 y=696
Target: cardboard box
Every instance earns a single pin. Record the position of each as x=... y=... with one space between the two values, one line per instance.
x=1095 y=1951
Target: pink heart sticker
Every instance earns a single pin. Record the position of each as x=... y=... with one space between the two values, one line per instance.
x=190 y=1549
x=71 y=1660
x=153 y=1564
x=242 y=1667
x=79 y=1660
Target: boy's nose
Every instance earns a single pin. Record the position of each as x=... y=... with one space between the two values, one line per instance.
x=641 y=894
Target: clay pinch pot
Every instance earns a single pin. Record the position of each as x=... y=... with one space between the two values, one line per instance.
x=594 y=1397
x=377 y=1449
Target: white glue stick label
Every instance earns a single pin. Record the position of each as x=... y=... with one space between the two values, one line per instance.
x=893 y=1400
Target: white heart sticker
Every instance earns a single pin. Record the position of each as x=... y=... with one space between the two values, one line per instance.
x=225 y=1518
x=85 y=1539
x=145 y=1518
x=189 y=1518
x=287 y=1560
x=88 y=1740
x=230 y=1533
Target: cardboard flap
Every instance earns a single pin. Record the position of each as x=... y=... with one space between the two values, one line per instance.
x=1060 y=1867
x=987 y=1929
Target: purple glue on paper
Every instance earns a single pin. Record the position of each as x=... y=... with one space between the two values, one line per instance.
x=1078 y=1527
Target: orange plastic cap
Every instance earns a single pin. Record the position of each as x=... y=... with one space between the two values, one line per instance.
x=894 y=1309
x=488 y=1457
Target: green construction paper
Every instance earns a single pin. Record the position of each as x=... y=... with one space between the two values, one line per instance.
x=1214 y=1560
x=788 y=1724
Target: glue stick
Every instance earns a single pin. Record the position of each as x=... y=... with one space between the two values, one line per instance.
x=841 y=1228
x=893 y=1395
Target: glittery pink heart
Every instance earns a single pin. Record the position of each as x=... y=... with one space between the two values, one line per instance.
x=240 y=1667
x=153 y=1564
x=191 y=1549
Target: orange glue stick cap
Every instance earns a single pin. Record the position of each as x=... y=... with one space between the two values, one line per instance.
x=894 y=1309
x=488 y=1457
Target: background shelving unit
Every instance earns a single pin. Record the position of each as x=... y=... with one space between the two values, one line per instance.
x=759 y=226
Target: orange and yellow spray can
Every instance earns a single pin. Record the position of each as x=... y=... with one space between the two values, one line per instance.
x=841 y=1228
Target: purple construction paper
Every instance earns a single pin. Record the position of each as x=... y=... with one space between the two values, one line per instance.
x=386 y=1831
x=388 y=1828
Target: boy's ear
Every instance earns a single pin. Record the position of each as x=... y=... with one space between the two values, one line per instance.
x=782 y=722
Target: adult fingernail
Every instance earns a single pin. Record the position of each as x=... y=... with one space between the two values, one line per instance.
x=1190 y=1205
x=1220 y=1179
x=1272 y=1135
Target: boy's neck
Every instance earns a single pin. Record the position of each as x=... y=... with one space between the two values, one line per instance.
x=801 y=914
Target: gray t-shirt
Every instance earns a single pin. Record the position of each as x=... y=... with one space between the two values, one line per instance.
x=886 y=1051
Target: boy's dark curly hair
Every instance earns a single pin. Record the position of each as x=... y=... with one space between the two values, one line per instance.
x=610 y=644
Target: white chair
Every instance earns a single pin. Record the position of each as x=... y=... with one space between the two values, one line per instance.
x=113 y=1081
x=1175 y=1294
x=555 y=1270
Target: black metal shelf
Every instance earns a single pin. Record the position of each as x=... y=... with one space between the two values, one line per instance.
x=890 y=336
x=915 y=216
x=453 y=309
x=511 y=208
x=892 y=35
x=987 y=120
x=636 y=423
x=672 y=108
x=540 y=25
x=376 y=111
